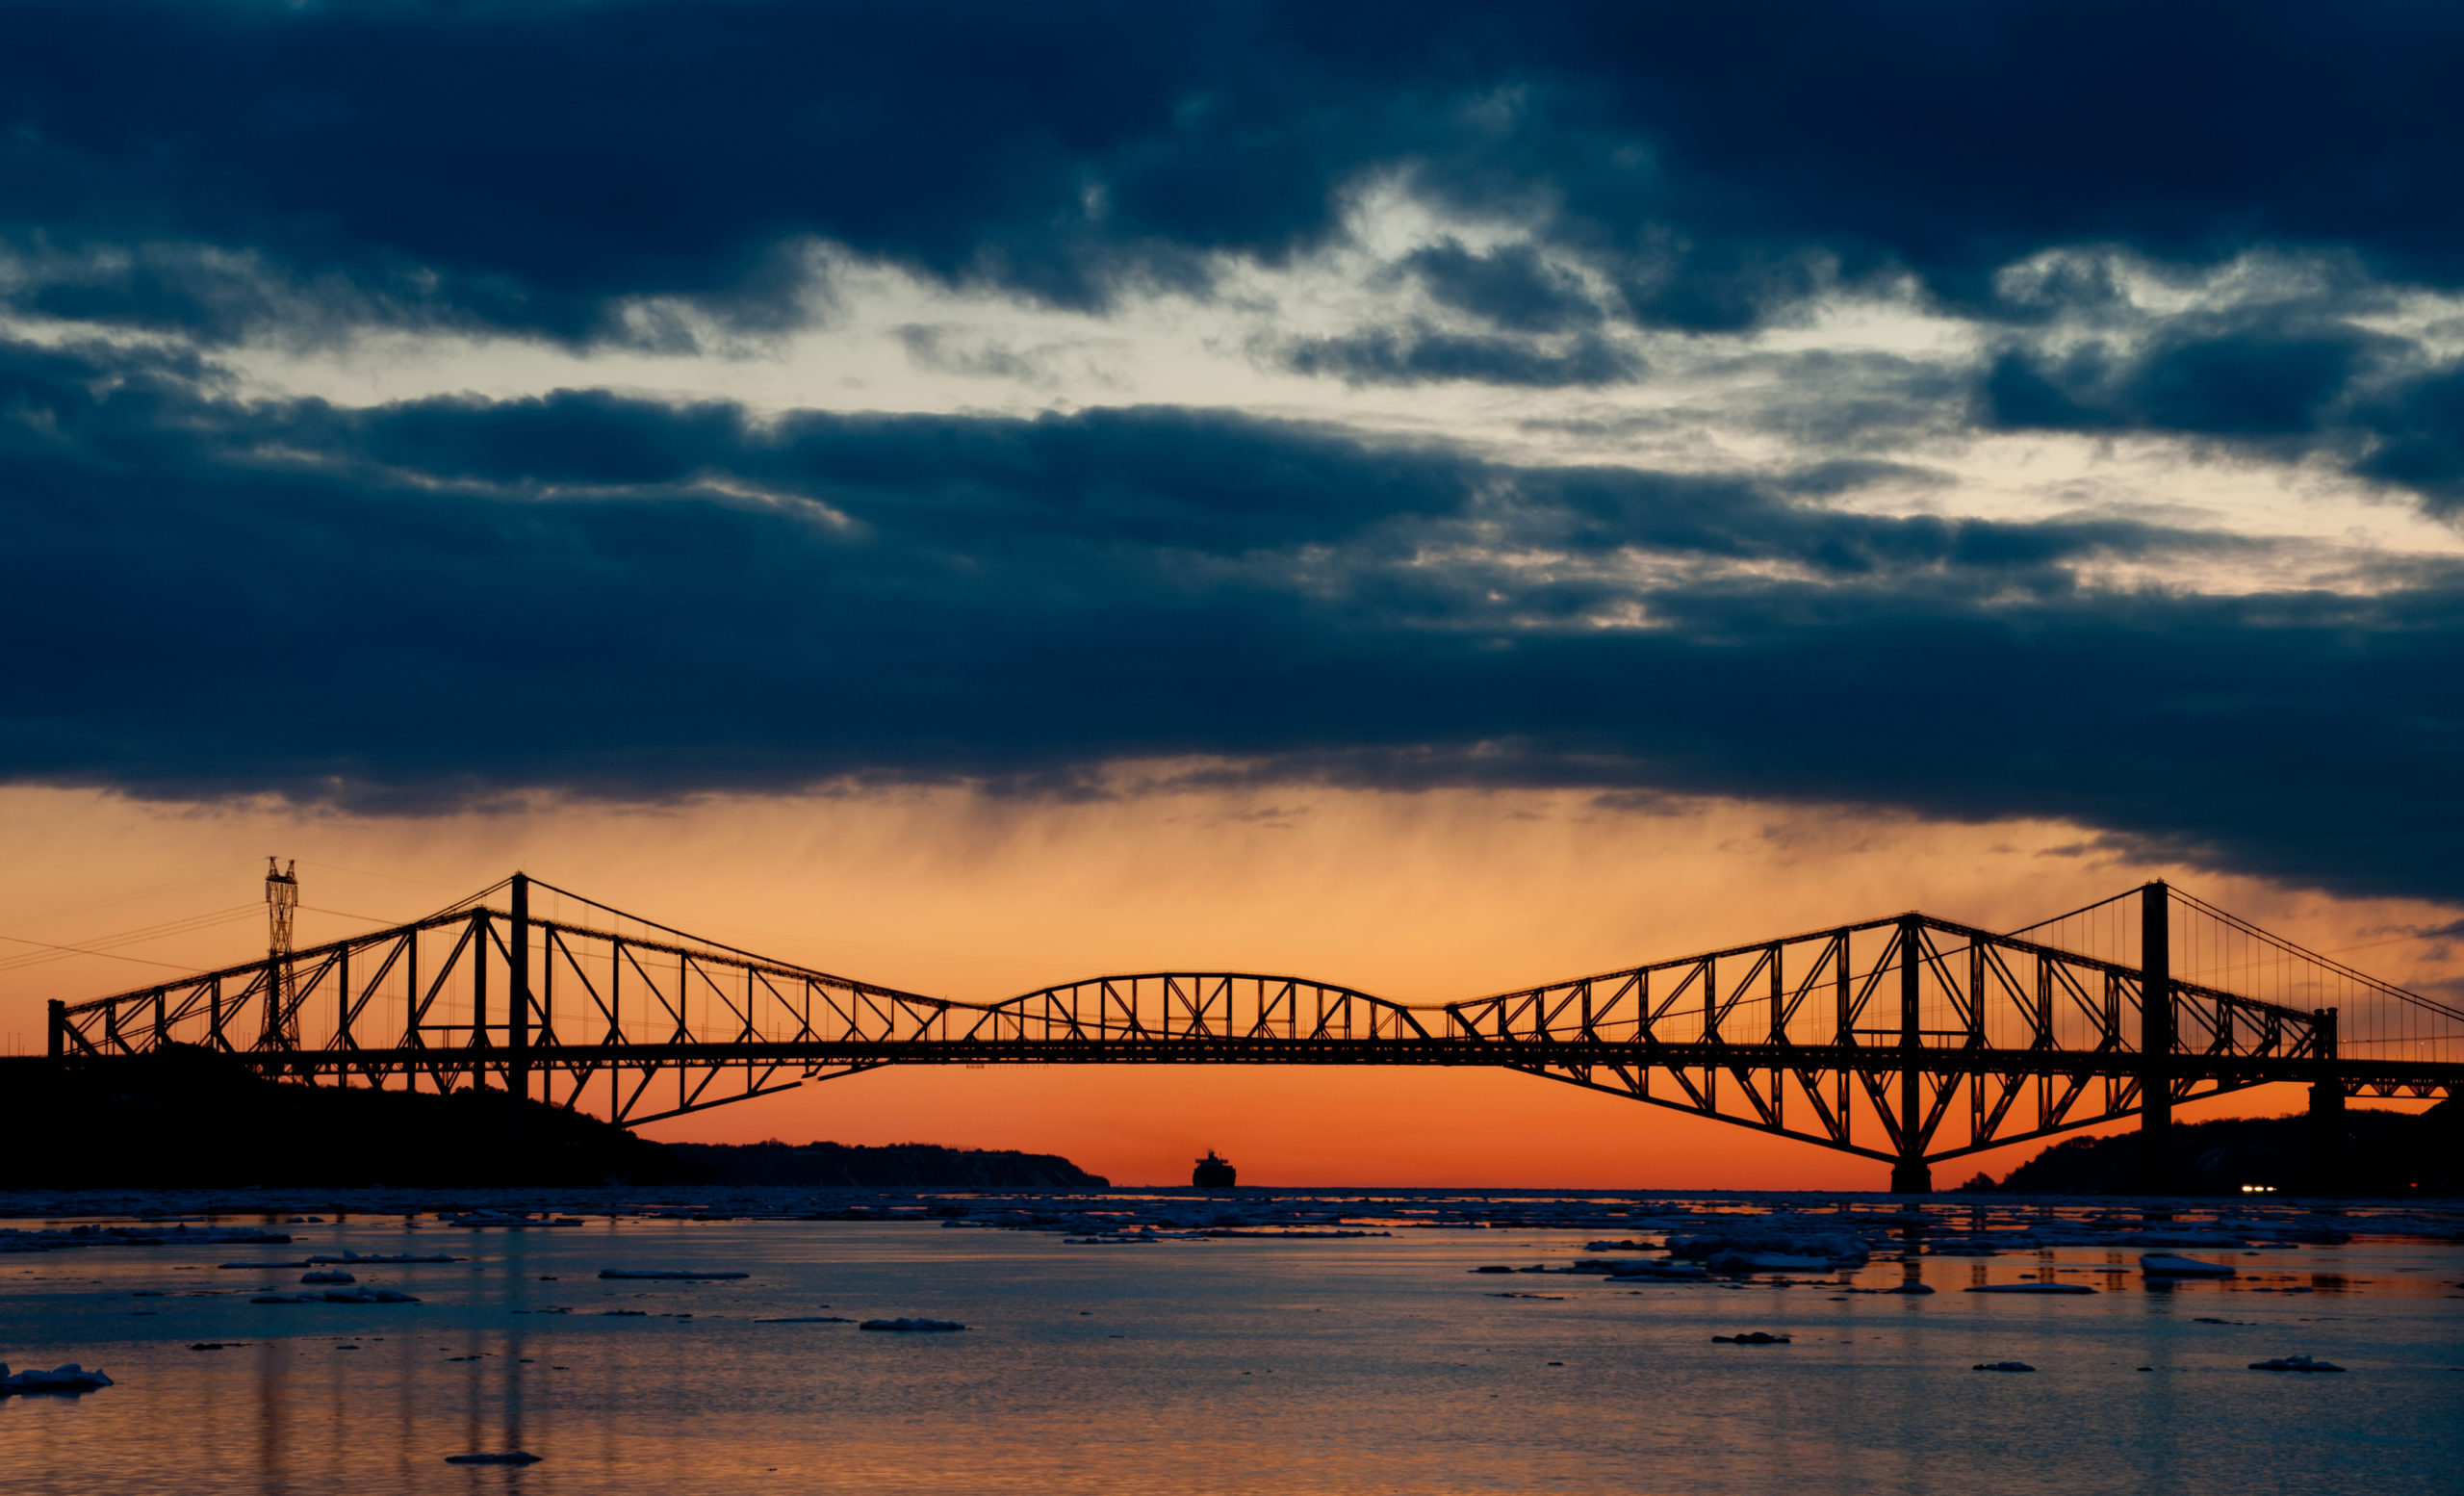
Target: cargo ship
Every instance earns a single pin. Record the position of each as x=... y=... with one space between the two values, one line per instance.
x=1212 y=1173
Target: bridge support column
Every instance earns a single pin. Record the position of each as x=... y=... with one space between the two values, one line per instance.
x=58 y=1027
x=1911 y=1174
x=2155 y=1040
x=2323 y=1163
x=517 y=1069
x=517 y=945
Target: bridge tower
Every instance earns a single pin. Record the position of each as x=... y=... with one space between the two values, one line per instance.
x=2155 y=1040
x=282 y=997
x=1909 y=1174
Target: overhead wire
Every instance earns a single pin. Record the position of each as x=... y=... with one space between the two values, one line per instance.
x=103 y=946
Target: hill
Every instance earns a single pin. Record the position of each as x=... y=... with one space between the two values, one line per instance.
x=2386 y=1152
x=891 y=1166
x=194 y=1119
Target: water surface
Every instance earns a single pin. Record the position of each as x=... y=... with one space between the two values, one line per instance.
x=1377 y=1363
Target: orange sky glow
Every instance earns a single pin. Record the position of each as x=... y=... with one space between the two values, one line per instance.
x=1414 y=896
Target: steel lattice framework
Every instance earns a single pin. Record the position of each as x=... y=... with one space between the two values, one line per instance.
x=1910 y=1040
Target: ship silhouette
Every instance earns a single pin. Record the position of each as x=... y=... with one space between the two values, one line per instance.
x=1212 y=1173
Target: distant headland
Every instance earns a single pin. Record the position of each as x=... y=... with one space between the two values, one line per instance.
x=191 y=1118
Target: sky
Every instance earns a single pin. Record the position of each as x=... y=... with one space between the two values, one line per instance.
x=1435 y=499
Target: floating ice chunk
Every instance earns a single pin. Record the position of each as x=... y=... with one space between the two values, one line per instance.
x=327 y=1276
x=909 y=1324
x=2032 y=1288
x=2295 y=1363
x=807 y=1319
x=1907 y=1288
x=2012 y=1366
x=1766 y=1262
x=286 y=1298
x=1660 y=1273
x=511 y=1456
x=1754 y=1338
x=667 y=1273
x=2163 y=1264
x=71 y=1377
x=1764 y=1250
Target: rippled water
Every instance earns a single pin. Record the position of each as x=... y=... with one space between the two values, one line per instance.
x=1376 y=1364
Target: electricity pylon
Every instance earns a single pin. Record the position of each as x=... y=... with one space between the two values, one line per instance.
x=282 y=1004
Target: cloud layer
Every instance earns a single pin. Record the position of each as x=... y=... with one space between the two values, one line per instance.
x=414 y=604
x=2227 y=237
x=213 y=167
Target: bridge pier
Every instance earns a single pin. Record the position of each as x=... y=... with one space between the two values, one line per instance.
x=2155 y=1040
x=1911 y=1176
x=2323 y=1163
x=59 y=1014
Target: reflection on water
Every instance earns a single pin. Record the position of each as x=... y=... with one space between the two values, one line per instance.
x=1232 y=1364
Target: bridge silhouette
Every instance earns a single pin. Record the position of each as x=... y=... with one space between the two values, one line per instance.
x=1908 y=1039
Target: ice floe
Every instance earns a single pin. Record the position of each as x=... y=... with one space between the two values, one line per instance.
x=1649 y=1272
x=911 y=1325
x=1760 y=1249
x=2161 y=1264
x=2030 y=1288
x=71 y=1377
x=2295 y=1363
x=511 y=1456
x=2002 y=1366
x=666 y=1273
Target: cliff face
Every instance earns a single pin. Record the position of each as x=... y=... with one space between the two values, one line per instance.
x=894 y=1165
x=2386 y=1152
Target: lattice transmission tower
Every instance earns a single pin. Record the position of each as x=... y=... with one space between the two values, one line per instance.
x=282 y=1004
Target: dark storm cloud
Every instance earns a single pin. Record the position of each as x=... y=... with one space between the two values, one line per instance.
x=210 y=167
x=1509 y=287
x=2262 y=383
x=2259 y=381
x=422 y=604
x=1426 y=355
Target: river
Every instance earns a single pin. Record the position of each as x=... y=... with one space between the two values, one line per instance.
x=1226 y=1363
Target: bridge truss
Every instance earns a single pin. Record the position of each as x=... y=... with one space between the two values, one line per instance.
x=1908 y=1039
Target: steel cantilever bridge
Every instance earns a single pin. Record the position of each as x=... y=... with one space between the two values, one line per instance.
x=1908 y=1039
